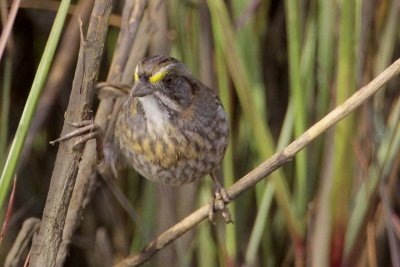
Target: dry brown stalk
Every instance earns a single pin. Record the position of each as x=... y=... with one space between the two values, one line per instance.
x=268 y=166
x=125 y=58
x=46 y=244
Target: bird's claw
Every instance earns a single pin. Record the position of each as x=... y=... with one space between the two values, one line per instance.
x=218 y=203
x=86 y=130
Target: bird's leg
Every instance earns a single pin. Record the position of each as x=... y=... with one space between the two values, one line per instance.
x=86 y=130
x=218 y=201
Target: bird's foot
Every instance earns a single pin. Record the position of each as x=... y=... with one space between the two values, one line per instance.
x=86 y=130
x=218 y=202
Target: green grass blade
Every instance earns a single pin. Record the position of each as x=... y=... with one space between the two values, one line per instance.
x=292 y=8
x=343 y=156
x=325 y=59
x=259 y=224
x=33 y=98
x=228 y=164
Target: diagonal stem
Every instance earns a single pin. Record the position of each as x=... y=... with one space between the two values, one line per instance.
x=268 y=166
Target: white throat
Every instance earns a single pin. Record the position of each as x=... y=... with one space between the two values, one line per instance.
x=156 y=118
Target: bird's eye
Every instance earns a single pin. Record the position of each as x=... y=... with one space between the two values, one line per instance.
x=168 y=80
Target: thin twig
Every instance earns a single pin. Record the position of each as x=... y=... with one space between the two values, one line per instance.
x=268 y=166
x=7 y=28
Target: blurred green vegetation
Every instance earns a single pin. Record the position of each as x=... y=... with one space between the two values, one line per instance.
x=279 y=66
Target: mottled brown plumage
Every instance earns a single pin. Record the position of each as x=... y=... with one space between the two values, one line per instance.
x=172 y=128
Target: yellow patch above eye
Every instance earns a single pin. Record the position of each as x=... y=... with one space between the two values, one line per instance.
x=158 y=76
x=136 y=76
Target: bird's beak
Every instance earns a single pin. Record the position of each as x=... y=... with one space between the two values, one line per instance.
x=141 y=89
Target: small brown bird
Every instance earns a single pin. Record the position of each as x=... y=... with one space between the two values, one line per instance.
x=172 y=128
